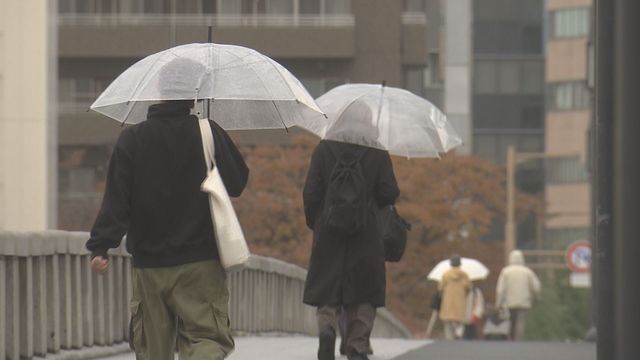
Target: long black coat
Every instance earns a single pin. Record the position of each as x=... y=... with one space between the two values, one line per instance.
x=347 y=270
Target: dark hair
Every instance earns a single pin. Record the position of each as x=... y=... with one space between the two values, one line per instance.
x=455 y=260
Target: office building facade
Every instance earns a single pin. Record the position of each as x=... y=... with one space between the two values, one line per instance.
x=568 y=114
x=323 y=42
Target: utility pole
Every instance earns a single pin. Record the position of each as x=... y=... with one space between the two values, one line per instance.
x=604 y=279
x=625 y=50
x=510 y=224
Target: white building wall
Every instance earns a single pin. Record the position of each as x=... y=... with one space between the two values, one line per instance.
x=28 y=135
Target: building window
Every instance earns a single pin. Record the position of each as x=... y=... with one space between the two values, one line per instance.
x=316 y=7
x=414 y=79
x=279 y=7
x=86 y=6
x=567 y=23
x=572 y=95
x=433 y=74
x=414 y=6
x=79 y=92
x=229 y=7
x=337 y=7
x=560 y=238
x=318 y=86
x=569 y=170
x=492 y=144
x=509 y=77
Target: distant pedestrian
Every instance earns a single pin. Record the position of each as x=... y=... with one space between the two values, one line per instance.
x=344 y=185
x=474 y=312
x=180 y=294
x=517 y=288
x=454 y=286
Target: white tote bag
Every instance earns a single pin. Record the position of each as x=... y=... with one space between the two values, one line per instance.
x=232 y=246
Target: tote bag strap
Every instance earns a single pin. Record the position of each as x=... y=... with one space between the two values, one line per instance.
x=208 y=146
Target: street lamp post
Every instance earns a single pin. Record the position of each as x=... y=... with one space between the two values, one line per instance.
x=510 y=224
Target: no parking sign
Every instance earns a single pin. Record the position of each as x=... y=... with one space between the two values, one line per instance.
x=578 y=256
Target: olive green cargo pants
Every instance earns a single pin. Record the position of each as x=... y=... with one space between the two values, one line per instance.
x=184 y=306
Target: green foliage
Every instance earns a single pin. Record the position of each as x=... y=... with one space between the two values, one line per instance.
x=562 y=312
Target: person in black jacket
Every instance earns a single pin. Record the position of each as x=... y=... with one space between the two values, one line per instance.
x=152 y=195
x=347 y=270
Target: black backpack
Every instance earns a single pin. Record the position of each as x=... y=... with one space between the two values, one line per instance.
x=346 y=202
x=394 y=233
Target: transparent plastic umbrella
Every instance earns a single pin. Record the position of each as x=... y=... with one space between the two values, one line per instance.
x=474 y=269
x=247 y=90
x=383 y=117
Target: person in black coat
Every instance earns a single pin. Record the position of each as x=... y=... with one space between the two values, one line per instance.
x=347 y=270
x=180 y=294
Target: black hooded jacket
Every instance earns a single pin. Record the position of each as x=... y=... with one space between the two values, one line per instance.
x=153 y=190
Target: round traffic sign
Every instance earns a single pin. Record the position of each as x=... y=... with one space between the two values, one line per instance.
x=578 y=256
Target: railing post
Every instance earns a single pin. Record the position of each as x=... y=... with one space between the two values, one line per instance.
x=3 y=306
x=40 y=315
x=25 y=269
x=13 y=309
x=77 y=332
x=53 y=306
x=88 y=323
x=67 y=323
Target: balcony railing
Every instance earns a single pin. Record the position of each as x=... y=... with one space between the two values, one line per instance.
x=251 y=20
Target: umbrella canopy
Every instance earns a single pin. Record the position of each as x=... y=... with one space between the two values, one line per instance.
x=474 y=269
x=248 y=90
x=383 y=117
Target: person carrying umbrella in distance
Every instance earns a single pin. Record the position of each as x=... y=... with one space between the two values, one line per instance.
x=153 y=191
x=454 y=286
x=474 y=270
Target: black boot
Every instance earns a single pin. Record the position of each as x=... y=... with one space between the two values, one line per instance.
x=327 y=348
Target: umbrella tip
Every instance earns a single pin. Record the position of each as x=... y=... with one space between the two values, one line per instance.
x=325 y=116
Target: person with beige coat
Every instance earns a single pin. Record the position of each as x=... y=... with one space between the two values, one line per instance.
x=454 y=286
x=518 y=287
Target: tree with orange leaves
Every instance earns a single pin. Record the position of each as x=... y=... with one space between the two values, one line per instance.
x=451 y=203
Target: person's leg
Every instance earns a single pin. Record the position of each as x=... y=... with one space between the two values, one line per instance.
x=521 y=325
x=342 y=329
x=469 y=332
x=200 y=299
x=360 y=319
x=327 y=317
x=152 y=330
x=458 y=327
x=449 y=331
x=513 y=320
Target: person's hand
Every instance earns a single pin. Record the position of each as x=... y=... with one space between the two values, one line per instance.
x=99 y=264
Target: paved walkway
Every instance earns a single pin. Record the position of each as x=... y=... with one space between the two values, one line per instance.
x=302 y=347
x=499 y=350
